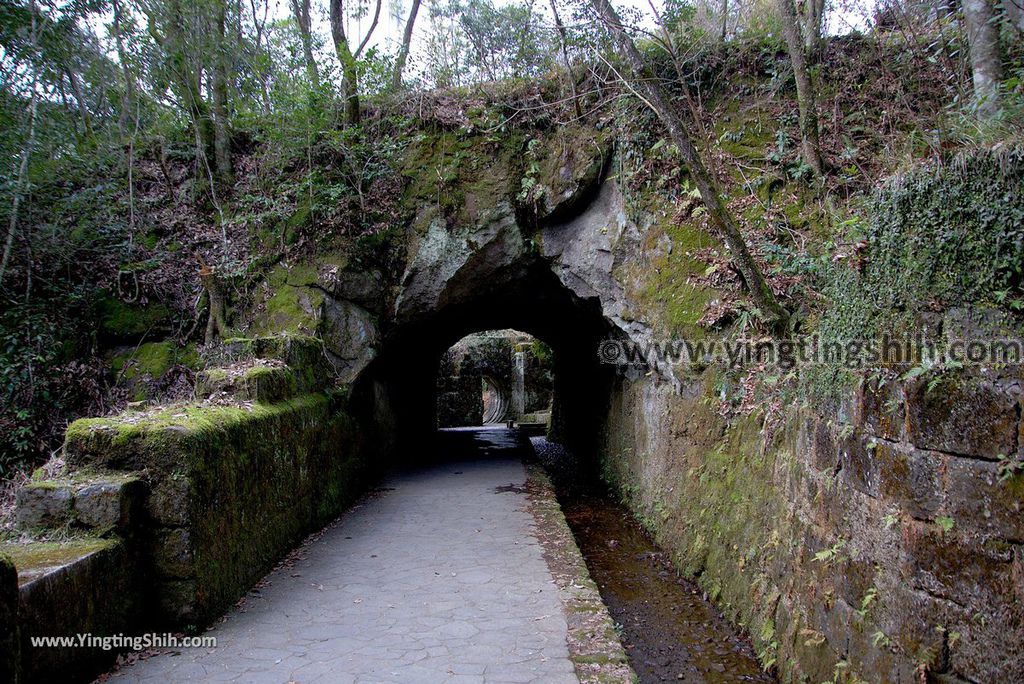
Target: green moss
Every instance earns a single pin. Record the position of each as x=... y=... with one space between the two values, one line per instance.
x=712 y=507
x=463 y=175
x=36 y=556
x=120 y=320
x=667 y=293
x=175 y=438
x=294 y=306
x=150 y=361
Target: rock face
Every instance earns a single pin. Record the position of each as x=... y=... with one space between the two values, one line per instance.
x=350 y=334
x=449 y=266
x=586 y=253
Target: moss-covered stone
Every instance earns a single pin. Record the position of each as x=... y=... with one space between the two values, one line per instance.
x=10 y=640
x=261 y=383
x=82 y=586
x=240 y=483
x=35 y=559
x=293 y=306
x=121 y=321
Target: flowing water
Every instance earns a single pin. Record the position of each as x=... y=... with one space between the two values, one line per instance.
x=670 y=631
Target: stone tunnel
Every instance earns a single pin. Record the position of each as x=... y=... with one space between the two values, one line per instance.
x=890 y=491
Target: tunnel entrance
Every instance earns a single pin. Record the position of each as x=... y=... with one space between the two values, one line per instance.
x=525 y=307
x=494 y=377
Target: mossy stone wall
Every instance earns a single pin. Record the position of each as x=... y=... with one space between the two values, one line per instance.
x=232 y=489
x=877 y=540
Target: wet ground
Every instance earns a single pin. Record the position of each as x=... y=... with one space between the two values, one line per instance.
x=670 y=631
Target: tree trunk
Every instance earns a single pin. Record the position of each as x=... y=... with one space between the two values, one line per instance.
x=219 y=86
x=300 y=8
x=814 y=15
x=643 y=80
x=983 y=41
x=369 y=32
x=79 y=95
x=564 y=39
x=122 y=57
x=403 y=52
x=810 y=144
x=184 y=78
x=21 y=183
x=350 y=75
x=216 y=324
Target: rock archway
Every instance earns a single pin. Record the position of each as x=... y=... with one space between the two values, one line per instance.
x=553 y=282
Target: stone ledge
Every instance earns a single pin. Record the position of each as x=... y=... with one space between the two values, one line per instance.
x=100 y=502
x=264 y=382
x=69 y=588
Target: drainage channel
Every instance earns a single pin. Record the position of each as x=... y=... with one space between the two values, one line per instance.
x=669 y=630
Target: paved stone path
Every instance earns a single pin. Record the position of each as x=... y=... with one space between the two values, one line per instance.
x=438 y=579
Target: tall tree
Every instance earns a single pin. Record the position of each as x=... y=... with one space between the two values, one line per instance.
x=219 y=82
x=813 y=19
x=21 y=182
x=300 y=8
x=641 y=79
x=563 y=37
x=805 y=96
x=369 y=32
x=350 y=73
x=403 y=51
x=166 y=24
x=983 y=42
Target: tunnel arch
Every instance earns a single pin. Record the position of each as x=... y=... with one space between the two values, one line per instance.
x=531 y=299
x=495 y=411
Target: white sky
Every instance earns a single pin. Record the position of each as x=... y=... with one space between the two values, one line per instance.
x=854 y=14
x=388 y=32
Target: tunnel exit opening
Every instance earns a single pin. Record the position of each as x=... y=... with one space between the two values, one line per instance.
x=496 y=377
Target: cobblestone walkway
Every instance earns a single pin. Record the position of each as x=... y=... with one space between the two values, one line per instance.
x=437 y=579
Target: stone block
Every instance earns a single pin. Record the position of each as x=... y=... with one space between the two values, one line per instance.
x=859 y=465
x=911 y=620
x=824 y=450
x=171 y=551
x=973 y=417
x=178 y=601
x=882 y=410
x=911 y=478
x=974 y=657
x=950 y=566
x=855 y=576
x=43 y=504
x=264 y=383
x=877 y=660
x=168 y=502
x=978 y=501
x=107 y=504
